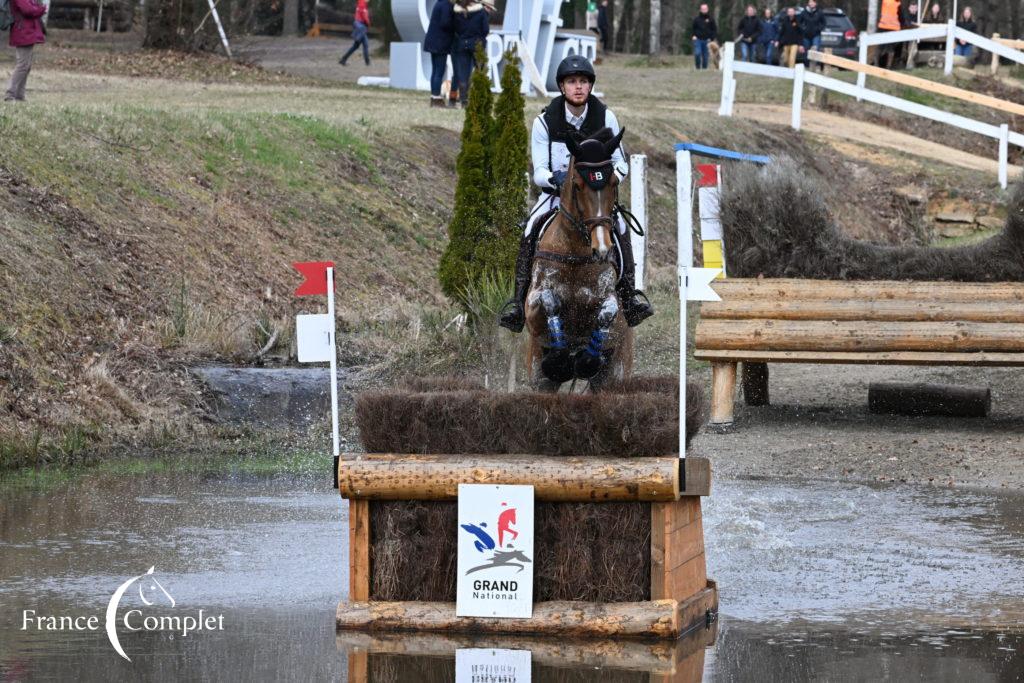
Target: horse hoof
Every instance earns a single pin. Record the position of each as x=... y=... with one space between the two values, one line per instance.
x=557 y=366
x=587 y=366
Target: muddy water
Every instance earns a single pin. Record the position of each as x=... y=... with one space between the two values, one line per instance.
x=818 y=581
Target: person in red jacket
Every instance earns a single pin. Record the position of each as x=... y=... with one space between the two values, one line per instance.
x=360 y=31
x=26 y=32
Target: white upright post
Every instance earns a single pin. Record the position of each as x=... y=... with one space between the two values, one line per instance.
x=798 y=94
x=863 y=59
x=728 y=85
x=638 y=205
x=684 y=261
x=334 y=361
x=1004 y=155
x=950 y=35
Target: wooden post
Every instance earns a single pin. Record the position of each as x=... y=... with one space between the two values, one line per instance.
x=755 y=384
x=723 y=386
x=798 y=95
x=950 y=33
x=358 y=665
x=359 y=550
x=678 y=566
x=995 y=57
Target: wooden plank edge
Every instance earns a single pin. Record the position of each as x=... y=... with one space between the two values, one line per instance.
x=979 y=359
x=652 y=619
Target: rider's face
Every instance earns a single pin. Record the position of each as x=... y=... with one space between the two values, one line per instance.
x=576 y=89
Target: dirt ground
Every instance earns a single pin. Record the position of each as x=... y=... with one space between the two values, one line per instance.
x=818 y=427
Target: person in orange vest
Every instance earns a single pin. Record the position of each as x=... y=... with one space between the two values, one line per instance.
x=892 y=17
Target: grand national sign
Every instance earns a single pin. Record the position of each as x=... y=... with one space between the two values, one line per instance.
x=495 y=565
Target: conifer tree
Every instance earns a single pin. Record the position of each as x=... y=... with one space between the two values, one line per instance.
x=459 y=269
x=509 y=166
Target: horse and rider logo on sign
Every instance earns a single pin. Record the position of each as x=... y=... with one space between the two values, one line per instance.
x=495 y=551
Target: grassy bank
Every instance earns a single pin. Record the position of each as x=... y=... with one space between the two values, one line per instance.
x=149 y=225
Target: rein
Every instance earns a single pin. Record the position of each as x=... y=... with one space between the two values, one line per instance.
x=585 y=226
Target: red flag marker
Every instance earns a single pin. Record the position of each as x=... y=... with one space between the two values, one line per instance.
x=315 y=273
x=708 y=175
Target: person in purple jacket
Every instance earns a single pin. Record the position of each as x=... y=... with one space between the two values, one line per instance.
x=26 y=32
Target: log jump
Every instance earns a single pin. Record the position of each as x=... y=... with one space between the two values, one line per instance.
x=871 y=322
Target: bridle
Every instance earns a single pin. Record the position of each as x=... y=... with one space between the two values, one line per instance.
x=585 y=226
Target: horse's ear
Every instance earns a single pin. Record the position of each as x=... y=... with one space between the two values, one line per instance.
x=611 y=145
x=570 y=143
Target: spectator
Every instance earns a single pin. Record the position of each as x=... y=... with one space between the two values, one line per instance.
x=934 y=15
x=890 y=18
x=27 y=31
x=962 y=47
x=471 y=28
x=768 y=37
x=360 y=33
x=704 y=31
x=812 y=23
x=602 y=25
x=748 y=33
x=438 y=42
x=791 y=38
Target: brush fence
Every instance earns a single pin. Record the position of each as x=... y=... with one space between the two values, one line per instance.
x=624 y=533
x=680 y=596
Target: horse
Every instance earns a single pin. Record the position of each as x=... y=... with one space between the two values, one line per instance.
x=576 y=328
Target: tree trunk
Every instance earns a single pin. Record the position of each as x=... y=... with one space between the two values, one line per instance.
x=655 y=39
x=291 y=18
x=872 y=15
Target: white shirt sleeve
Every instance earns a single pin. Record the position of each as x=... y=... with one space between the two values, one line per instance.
x=621 y=165
x=539 y=153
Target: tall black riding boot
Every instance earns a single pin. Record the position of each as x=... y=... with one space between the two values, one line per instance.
x=513 y=315
x=636 y=307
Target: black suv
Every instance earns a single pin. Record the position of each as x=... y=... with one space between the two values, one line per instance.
x=839 y=34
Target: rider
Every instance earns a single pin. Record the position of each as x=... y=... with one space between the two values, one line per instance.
x=578 y=113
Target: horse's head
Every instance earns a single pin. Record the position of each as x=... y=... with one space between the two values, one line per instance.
x=589 y=195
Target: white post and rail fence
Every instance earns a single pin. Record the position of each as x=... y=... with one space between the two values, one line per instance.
x=800 y=76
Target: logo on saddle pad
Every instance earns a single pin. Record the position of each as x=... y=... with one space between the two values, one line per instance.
x=495 y=551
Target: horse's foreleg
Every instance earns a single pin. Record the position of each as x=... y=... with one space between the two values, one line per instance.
x=591 y=359
x=557 y=364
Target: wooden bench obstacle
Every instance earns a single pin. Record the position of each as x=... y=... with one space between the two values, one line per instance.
x=761 y=321
x=649 y=504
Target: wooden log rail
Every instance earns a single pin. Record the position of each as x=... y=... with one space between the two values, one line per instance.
x=653 y=619
x=563 y=479
x=877 y=322
x=919 y=83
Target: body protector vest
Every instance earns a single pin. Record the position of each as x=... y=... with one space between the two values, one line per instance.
x=559 y=129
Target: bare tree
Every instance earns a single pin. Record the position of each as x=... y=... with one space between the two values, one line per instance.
x=655 y=44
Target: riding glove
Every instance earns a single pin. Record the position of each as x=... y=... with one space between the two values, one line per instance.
x=557 y=178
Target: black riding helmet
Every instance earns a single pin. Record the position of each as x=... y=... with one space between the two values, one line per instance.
x=575 y=65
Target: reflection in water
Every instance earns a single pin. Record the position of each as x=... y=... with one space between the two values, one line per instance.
x=818 y=581
x=392 y=658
